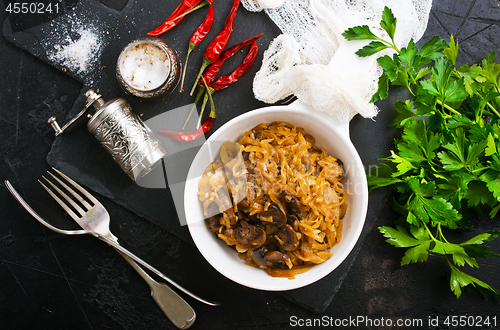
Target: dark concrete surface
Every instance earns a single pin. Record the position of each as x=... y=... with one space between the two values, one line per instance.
x=51 y=281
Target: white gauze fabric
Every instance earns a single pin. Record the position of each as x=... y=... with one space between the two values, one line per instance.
x=296 y=62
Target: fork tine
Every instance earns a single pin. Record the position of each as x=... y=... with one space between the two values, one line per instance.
x=60 y=202
x=66 y=197
x=77 y=186
x=78 y=197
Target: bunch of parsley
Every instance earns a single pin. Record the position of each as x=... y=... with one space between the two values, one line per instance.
x=447 y=162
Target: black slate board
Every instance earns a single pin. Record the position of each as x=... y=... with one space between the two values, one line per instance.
x=80 y=156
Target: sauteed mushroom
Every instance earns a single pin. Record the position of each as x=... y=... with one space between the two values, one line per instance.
x=276 y=212
x=248 y=236
x=214 y=223
x=287 y=235
x=309 y=138
x=276 y=259
x=293 y=221
x=258 y=256
x=293 y=205
x=254 y=218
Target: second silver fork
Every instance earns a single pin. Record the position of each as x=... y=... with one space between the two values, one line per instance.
x=96 y=218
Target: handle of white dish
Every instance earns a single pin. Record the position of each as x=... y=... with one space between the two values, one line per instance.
x=345 y=63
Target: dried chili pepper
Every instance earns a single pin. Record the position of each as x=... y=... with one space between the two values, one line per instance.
x=213 y=50
x=215 y=67
x=184 y=8
x=210 y=73
x=244 y=67
x=200 y=131
x=190 y=136
x=225 y=81
x=197 y=37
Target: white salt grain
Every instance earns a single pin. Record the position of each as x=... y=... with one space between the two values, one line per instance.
x=145 y=67
x=75 y=55
x=73 y=43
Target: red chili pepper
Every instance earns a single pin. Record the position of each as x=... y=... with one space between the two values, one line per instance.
x=213 y=50
x=197 y=37
x=226 y=81
x=184 y=8
x=190 y=136
x=244 y=67
x=201 y=130
x=215 y=67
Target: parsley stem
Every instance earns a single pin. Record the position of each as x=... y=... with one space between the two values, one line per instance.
x=480 y=169
x=391 y=44
x=446 y=106
x=492 y=108
x=441 y=233
x=429 y=232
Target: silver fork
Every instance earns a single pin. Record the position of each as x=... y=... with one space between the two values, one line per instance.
x=95 y=221
x=96 y=218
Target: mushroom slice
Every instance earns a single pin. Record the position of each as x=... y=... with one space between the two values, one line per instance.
x=287 y=235
x=275 y=212
x=293 y=221
x=258 y=256
x=248 y=236
x=276 y=259
x=293 y=204
x=214 y=223
x=254 y=218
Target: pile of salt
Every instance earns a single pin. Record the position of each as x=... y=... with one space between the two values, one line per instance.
x=145 y=66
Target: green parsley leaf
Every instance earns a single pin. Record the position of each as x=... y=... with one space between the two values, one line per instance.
x=390 y=66
x=388 y=22
x=378 y=182
x=405 y=113
x=426 y=140
x=469 y=75
x=408 y=53
x=398 y=236
x=359 y=33
x=403 y=165
x=432 y=49
x=491 y=73
x=479 y=251
x=477 y=133
x=494 y=187
x=451 y=52
x=382 y=90
x=478 y=193
x=460 y=258
x=419 y=253
x=372 y=48
x=462 y=152
x=490 y=146
x=429 y=208
x=454 y=189
x=481 y=238
x=459 y=280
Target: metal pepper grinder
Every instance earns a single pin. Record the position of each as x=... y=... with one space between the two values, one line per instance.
x=122 y=133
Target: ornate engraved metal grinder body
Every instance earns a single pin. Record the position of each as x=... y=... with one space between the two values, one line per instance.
x=122 y=133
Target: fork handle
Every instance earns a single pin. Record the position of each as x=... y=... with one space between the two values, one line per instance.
x=173 y=306
x=151 y=268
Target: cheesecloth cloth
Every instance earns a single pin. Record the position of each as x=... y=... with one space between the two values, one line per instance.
x=296 y=62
